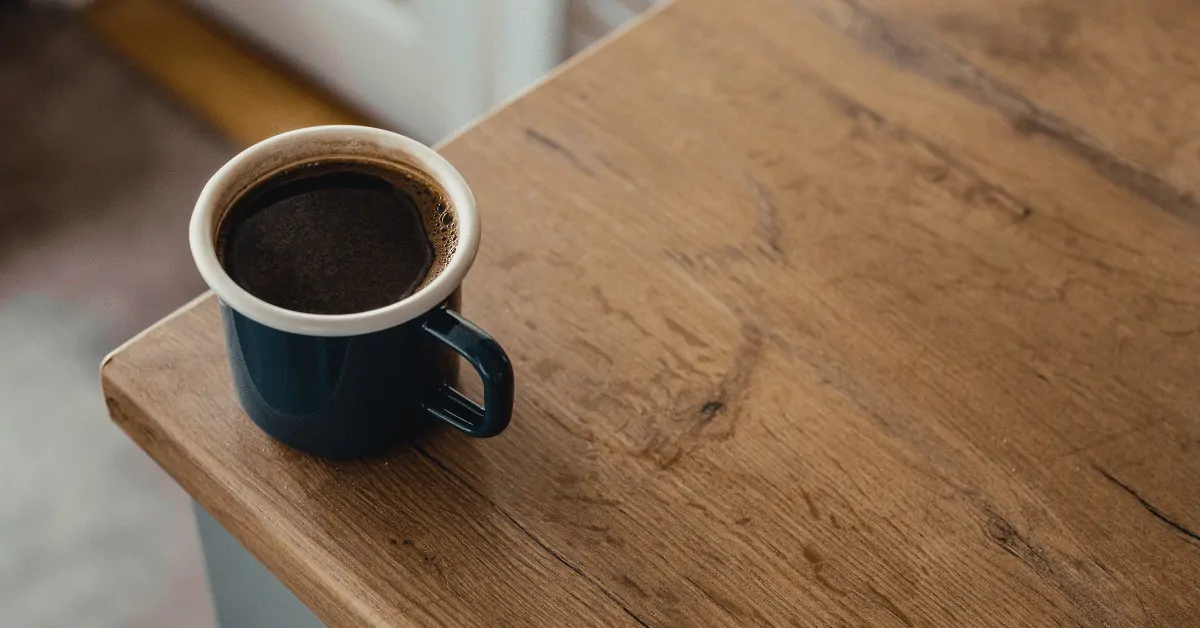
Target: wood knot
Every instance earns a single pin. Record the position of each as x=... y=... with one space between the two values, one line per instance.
x=1001 y=530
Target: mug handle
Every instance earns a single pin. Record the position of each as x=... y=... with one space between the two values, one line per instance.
x=485 y=354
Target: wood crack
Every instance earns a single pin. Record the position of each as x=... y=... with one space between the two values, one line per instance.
x=767 y=220
x=916 y=52
x=532 y=537
x=1020 y=210
x=1150 y=508
x=717 y=418
x=728 y=605
x=891 y=606
x=552 y=144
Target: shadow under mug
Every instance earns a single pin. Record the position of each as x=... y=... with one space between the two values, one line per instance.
x=350 y=385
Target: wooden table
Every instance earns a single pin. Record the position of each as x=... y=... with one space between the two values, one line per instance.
x=825 y=312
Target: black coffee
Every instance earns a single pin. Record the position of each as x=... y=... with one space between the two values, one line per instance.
x=337 y=237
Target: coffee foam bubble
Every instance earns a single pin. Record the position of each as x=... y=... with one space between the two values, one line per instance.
x=437 y=213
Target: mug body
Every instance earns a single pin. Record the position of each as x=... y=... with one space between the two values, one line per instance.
x=345 y=385
x=337 y=396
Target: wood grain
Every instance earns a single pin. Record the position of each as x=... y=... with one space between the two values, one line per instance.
x=807 y=333
x=1111 y=81
x=249 y=96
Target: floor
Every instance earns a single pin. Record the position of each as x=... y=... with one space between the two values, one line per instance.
x=97 y=172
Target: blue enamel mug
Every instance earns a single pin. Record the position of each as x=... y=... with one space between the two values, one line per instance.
x=350 y=385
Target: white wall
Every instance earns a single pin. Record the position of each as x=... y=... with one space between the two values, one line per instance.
x=425 y=67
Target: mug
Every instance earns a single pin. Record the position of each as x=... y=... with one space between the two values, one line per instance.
x=349 y=385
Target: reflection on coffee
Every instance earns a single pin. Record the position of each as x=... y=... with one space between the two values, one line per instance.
x=338 y=237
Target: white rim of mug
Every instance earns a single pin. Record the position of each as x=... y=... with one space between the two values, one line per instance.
x=384 y=146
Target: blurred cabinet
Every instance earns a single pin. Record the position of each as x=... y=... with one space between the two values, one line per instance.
x=423 y=67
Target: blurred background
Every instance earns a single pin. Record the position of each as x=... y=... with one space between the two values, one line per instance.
x=113 y=114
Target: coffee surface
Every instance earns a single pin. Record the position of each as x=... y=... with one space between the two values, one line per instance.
x=336 y=238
